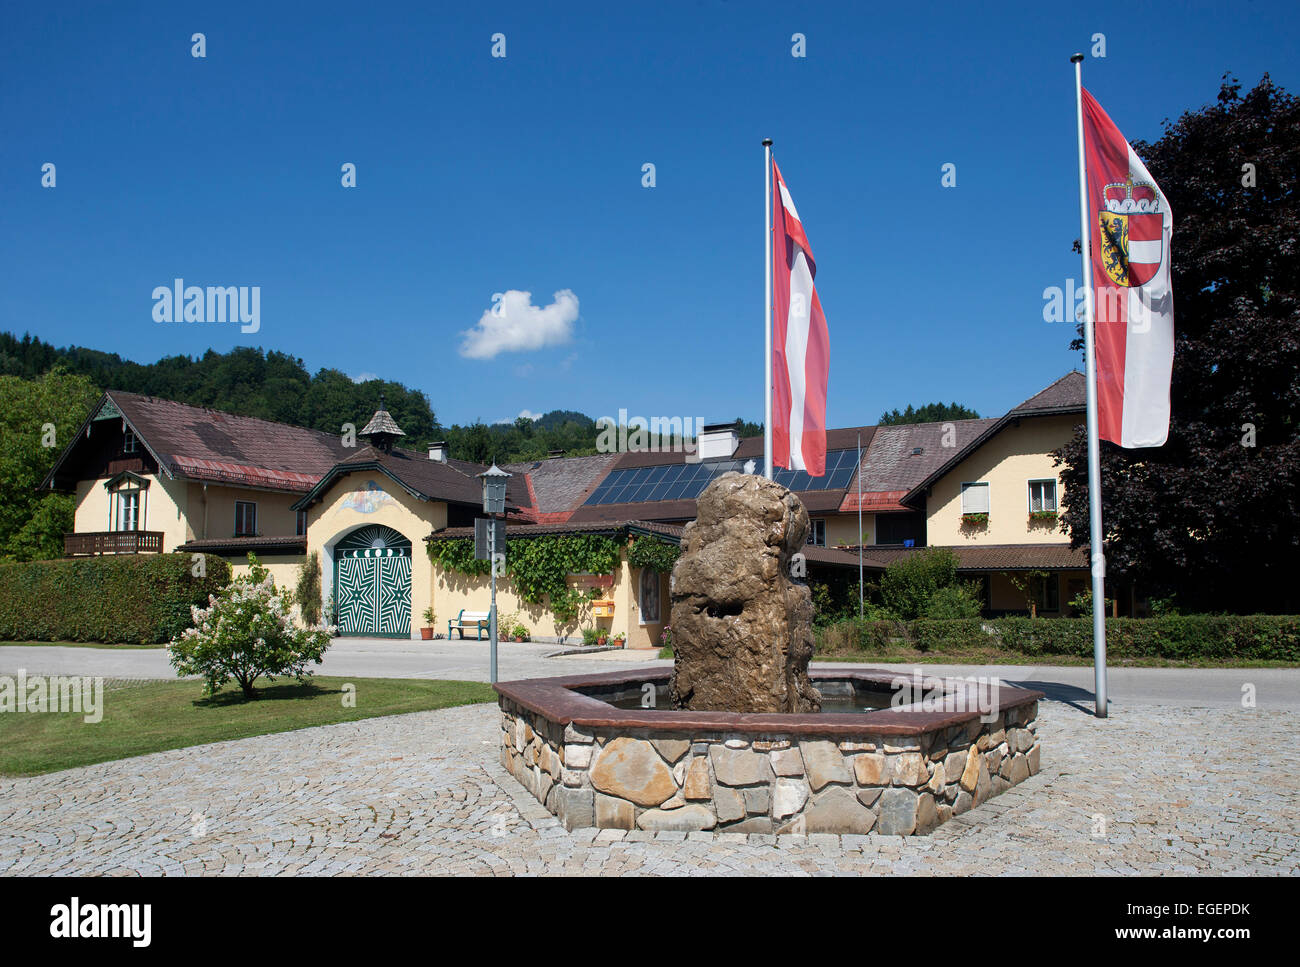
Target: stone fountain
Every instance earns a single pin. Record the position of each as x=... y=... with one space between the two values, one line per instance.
x=739 y=736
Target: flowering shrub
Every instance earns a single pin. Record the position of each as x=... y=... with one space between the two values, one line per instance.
x=246 y=633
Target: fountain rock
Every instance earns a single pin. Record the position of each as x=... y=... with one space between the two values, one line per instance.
x=741 y=626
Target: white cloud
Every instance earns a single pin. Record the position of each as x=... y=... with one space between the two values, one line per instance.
x=364 y=377
x=514 y=324
x=525 y=413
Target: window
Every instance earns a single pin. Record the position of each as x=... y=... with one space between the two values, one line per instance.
x=649 y=596
x=128 y=511
x=1047 y=593
x=975 y=498
x=817 y=533
x=1042 y=495
x=245 y=518
x=129 y=442
x=300 y=524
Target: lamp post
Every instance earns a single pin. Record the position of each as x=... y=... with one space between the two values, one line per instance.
x=494 y=502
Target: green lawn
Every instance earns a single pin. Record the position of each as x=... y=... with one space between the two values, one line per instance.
x=143 y=717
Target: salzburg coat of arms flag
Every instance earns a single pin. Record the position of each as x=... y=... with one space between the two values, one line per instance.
x=1134 y=303
x=800 y=344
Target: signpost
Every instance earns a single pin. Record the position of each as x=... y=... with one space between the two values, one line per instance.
x=492 y=532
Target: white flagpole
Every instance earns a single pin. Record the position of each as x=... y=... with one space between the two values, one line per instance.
x=861 y=599
x=767 y=310
x=1094 y=447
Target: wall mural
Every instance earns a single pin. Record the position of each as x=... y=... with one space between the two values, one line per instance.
x=367 y=501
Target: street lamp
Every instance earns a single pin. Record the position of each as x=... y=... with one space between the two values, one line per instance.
x=494 y=502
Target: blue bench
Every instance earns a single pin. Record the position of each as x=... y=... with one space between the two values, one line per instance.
x=478 y=620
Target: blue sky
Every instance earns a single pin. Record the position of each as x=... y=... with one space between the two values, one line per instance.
x=478 y=175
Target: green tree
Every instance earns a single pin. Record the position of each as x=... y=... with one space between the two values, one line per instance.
x=909 y=583
x=38 y=418
x=929 y=413
x=1214 y=514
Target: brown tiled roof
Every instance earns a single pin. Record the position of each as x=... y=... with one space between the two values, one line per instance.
x=995 y=557
x=670 y=531
x=242 y=545
x=204 y=444
x=1064 y=396
x=890 y=466
x=454 y=481
x=1067 y=395
x=882 y=501
x=556 y=487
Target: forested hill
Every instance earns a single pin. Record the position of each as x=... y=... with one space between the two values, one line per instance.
x=276 y=386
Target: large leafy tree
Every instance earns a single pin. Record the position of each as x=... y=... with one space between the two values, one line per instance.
x=37 y=420
x=1214 y=515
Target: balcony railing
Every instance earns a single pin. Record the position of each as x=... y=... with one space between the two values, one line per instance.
x=113 y=542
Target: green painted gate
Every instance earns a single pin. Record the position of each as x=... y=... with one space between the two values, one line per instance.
x=372 y=583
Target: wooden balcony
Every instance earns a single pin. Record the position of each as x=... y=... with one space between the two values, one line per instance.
x=113 y=542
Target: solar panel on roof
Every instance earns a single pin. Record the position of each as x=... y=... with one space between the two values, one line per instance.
x=686 y=481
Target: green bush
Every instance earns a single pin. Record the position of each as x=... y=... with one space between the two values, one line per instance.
x=1173 y=637
x=248 y=633
x=910 y=582
x=958 y=601
x=135 y=599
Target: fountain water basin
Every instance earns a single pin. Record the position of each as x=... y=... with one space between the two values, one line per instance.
x=904 y=764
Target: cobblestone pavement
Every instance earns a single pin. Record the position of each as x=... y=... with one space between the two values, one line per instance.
x=1153 y=789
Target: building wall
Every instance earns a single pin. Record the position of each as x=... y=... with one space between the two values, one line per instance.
x=358 y=499
x=453 y=592
x=283 y=568
x=843 y=528
x=164 y=508
x=1005 y=596
x=177 y=507
x=1007 y=462
x=212 y=513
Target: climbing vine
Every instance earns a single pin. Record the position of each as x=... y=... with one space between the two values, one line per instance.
x=539 y=566
x=653 y=553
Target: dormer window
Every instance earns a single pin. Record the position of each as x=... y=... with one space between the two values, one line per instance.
x=129 y=442
x=127 y=501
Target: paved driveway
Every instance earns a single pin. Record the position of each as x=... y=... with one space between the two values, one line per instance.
x=1159 y=789
x=347 y=657
x=1274 y=688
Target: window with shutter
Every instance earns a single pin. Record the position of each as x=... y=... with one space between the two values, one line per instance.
x=975 y=498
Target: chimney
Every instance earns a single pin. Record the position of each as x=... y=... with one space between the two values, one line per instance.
x=438 y=451
x=717 y=440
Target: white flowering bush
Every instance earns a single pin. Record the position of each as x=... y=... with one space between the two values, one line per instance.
x=247 y=632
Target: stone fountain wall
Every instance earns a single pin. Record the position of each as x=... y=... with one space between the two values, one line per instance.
x=766 y=782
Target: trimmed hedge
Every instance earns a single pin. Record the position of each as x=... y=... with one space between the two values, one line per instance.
x=1175 y=637
x=136 y=599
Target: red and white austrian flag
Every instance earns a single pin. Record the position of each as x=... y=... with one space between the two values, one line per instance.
x=1134 y=303
x=800 y=344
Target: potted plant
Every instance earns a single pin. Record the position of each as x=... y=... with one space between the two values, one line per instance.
x=1042 y=516
x=620 y=640
x=426 y=633
x=602 y=636
x=589 y=637
x=520 y=631
x=975 y=520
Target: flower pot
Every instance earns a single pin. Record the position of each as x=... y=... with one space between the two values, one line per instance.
x=426 y=634
x=601 y=641
x=519 y=637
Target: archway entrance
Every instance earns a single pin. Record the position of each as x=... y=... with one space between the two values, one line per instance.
x=372 y=583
